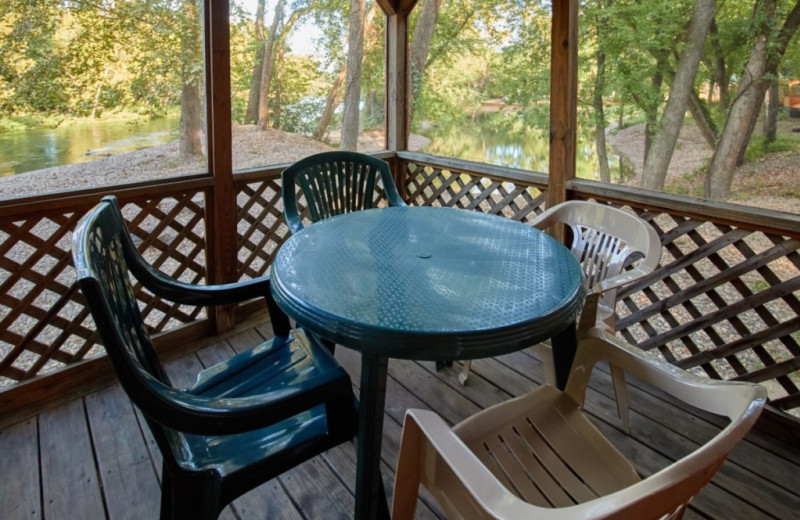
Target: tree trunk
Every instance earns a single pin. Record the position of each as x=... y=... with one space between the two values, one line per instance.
x=649 y=108
x=749 y=97
x=251 y=116
x=420 y=46
x=702 y=118
x=599 y=111
x=650 y=126
x=191 y=132
x=682 y=89
x=352 y=93
x=278 y=107
x=334 y=98
x=719 y=71
x=191 y=142
x=773 y=105
x=266 y=71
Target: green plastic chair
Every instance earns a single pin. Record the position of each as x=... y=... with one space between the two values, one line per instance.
x=245 y=420
x=333 y=183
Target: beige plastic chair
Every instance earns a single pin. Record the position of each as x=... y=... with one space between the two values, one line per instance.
x=538 y=456
x=603 y=239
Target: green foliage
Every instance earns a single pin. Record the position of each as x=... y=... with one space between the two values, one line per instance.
x=302 y=97
x=759 y=148
x=81 y=58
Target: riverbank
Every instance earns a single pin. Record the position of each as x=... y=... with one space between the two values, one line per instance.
x=251 y=148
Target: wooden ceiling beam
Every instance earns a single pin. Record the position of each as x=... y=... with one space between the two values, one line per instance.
x=392 y=7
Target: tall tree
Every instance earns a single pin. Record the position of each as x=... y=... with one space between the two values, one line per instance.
x=421 y=44
x=681 y=90
x=251 y=116
x=598 y=91
x=352 y=95
x=269 y=65
x=334 y=98
x=280 y=53
x=191 y=133
x=768 y=48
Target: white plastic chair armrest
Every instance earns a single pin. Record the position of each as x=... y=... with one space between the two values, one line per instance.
x=621 y=279
x=726 y=398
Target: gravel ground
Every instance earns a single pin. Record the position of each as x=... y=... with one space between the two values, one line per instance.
x=772 y=182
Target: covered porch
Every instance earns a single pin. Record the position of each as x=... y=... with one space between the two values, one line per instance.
x=723 y=303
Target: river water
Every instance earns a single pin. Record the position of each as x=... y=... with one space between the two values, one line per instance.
x=45 y=147
x=476 y=140
x=527 y=149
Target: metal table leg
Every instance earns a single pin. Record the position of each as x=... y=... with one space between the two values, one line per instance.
x=370 y=495
x=565 y=344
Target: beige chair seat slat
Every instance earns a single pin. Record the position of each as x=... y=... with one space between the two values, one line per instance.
x=546 y=451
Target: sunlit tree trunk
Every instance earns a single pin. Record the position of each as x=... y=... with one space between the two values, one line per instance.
x=251 y=116
x=773 y=105
x=420 y=46
x=660 y=152
x=269 y=65
x=352 y=93
x=334 y=98
x=191 y=133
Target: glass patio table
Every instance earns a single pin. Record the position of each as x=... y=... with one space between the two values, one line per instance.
x=425 y=283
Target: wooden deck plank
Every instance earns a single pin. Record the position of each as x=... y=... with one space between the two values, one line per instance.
x=752 y=454
x=82 y=455
x=19 y=492
x=70 y=486
x=269 y=500
x=130 y=482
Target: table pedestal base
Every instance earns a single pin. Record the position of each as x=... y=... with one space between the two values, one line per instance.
x=371 y=500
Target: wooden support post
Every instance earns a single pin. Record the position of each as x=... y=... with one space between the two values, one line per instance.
x=221 y=238
x=397 y=111
x=563 y=98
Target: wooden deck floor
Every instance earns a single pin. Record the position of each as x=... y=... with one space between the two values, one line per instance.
x=94 y=458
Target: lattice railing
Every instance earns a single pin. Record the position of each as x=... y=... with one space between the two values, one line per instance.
x=260 y=225
x=487 y=192
x=724 y=301
x=43 y=322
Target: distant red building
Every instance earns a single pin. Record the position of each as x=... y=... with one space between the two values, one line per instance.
x=792 y=99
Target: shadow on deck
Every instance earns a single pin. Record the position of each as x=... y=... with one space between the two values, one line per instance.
x=94 y=457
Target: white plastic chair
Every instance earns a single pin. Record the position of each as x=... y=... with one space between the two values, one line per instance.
x=538 y=456
x=603 y=240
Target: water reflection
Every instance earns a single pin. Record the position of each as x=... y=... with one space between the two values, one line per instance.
x=481 y=139
x=46 y=147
